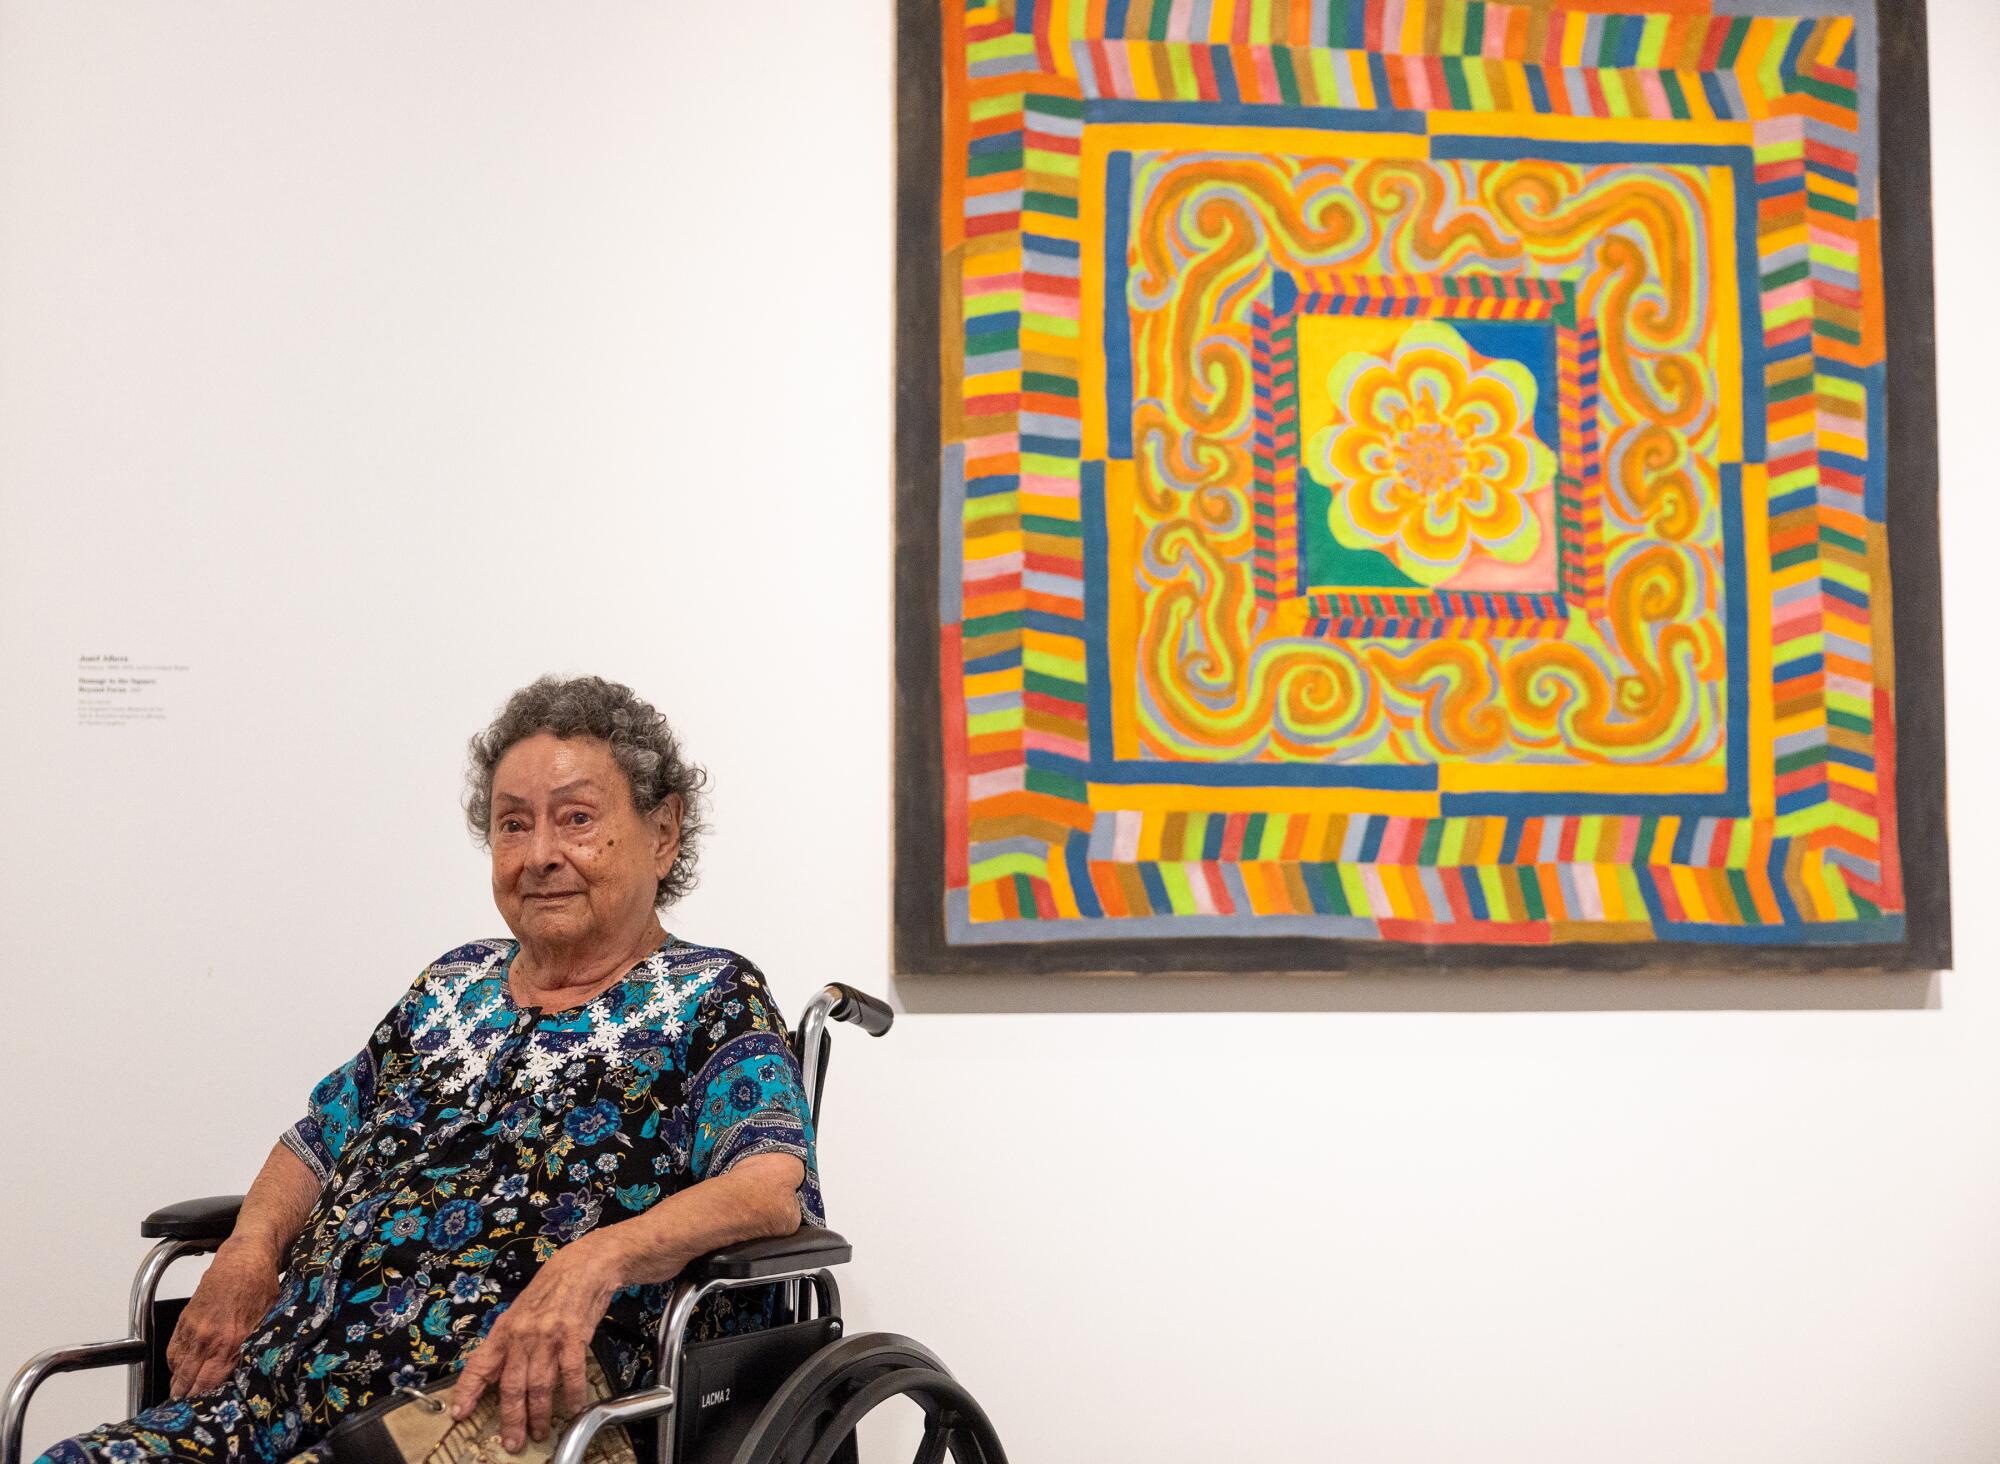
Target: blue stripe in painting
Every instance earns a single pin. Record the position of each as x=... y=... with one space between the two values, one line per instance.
x=1886 y=931
x=1875 y=501
x=1001 y=661
x=1117 y=316
x=1225 y=76
x=1718 y=99
x=1077 y=854
x=1788 y=69
x=1371 y=841
x=1736 y=627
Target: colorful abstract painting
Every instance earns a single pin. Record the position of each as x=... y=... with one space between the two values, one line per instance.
x=1416 y=480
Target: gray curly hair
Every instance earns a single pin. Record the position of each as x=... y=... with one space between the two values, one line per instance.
x=641 y=743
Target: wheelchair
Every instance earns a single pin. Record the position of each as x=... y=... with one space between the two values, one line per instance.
x=793 y=1393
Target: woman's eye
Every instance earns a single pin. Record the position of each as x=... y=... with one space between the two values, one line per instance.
x=579 y=817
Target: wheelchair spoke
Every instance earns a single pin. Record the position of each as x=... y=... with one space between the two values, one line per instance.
x=937 y=1438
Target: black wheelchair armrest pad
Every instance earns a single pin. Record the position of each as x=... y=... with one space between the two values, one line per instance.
x=210 y=1218
x=806 y=1249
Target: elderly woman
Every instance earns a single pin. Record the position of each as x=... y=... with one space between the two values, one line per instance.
x=538 y=1136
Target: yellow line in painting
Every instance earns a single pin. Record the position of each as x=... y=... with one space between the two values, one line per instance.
x=986 y=683
x=1573 y=38
x=1689 y=890
x=1834 y=41
x=1773 y=52
x=1756 y=68
x=1305 y=142
x=1584 y=129
x=1057 y=227
x=1060 y=647
x=1757 y=593
x=1059 y=36
x=1162 y=798
x=1090 y=298
x=984 y=901
x=1727 y=337
x=1121 y=604
x=1481 y=778
x=1774 y=240
x=1061 y=893
x=1139 y=57
x=1397 y=892
x=1609 y=895
x=1364 y=81
x=1413 y=30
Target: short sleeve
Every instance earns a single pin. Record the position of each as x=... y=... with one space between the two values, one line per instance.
x=343 y=1097
x=745 y=1092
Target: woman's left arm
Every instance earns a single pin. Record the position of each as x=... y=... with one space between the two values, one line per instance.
x=535 y=1353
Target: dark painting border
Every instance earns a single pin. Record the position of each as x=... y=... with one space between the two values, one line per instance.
x=920 y=947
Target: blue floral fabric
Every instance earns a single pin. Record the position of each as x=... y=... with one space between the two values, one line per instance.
x=467 y=1142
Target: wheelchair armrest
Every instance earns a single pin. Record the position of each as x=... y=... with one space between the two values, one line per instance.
x=125 y=1352
x=210 y=1218
x=806 y=1249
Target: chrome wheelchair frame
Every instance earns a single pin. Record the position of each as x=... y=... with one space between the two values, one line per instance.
x=810 y=1418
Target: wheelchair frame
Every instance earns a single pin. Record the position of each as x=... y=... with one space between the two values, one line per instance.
x=801 y=1263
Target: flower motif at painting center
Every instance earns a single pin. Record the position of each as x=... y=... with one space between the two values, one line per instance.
x=1428 y=457
x=1432 y=454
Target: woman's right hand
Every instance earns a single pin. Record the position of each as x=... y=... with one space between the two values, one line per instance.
x=232 y=1298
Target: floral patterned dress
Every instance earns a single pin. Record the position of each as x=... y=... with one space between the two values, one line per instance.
x=460 y=1148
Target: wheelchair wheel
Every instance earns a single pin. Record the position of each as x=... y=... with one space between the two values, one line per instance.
x=812 y=1418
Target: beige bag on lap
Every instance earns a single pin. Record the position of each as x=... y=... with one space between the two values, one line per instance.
x=420 y=1430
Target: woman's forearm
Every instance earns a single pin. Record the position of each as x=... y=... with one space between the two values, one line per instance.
x=758 y=1197
x=275 y=1209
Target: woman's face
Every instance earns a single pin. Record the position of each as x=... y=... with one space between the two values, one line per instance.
x=574 y=863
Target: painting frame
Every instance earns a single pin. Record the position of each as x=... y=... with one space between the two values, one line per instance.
x=921 y=940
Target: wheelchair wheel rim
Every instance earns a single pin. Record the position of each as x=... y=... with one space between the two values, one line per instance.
x=796 y=1419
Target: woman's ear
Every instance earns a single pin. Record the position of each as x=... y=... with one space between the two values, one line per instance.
x=667 y=825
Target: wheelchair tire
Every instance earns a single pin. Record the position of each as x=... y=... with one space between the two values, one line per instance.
x=812 y=1418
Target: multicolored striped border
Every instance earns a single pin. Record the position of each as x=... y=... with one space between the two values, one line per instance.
x=1030 y=866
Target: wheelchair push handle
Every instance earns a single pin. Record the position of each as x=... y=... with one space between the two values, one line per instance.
x=870 y=1013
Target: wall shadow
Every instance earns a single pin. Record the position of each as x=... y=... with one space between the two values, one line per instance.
x=1517 y=990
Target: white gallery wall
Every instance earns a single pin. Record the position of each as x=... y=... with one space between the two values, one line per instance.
x=369 y=360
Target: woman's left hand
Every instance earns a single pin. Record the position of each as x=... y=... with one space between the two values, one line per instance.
x=535 y=1353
